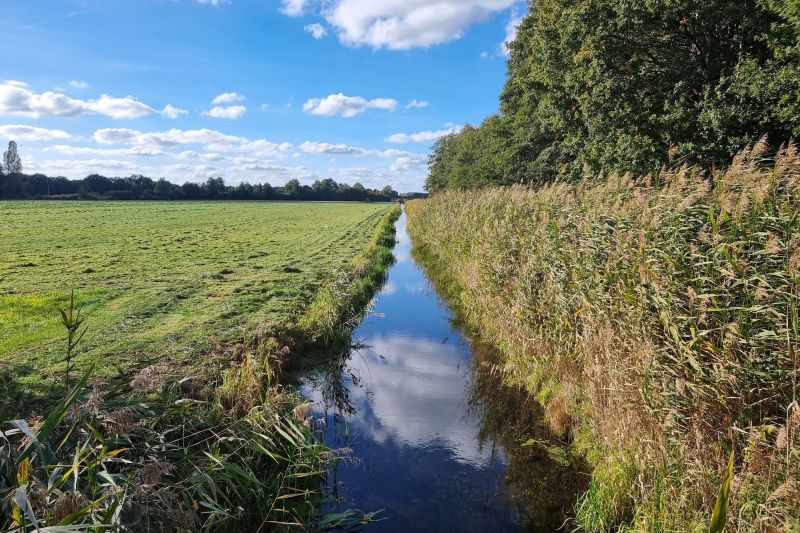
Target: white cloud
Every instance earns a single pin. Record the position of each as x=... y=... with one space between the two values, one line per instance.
x=167 y=139
x=405 y=24
x=80 y=168
x=193 y=170
x=119 y=108
x=17 y=99
x=347 y=106
x=408 y=162
x=229 y=112
x=511 y=32
x=271 y=171
x=317 y=30
x=20 y=132
x=403 y=161
x=170 y=111
x=264 y=148
x=407 y=369
x=332 y=149
x=422 y=136
x=228 y=98
x=293 y=8
x=191 y=154
x=361 y=173
x=417 y=104
x=79 y=84
x=67 y=149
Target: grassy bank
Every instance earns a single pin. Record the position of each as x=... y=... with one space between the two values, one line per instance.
x=228 y=448
x=163 y=282
x=656 y=320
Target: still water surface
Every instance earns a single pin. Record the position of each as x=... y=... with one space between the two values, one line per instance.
x=427 y=425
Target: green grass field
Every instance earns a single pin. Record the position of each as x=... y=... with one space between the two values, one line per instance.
x=162 y=281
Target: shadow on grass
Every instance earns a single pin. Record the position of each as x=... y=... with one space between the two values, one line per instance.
x=17 y=398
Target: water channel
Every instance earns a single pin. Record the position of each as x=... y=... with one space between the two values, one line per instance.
x=435 y=440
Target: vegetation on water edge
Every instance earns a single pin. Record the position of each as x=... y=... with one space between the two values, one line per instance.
x=228 y=451
x=629 y=86
x=656 y=320
x=162 y=284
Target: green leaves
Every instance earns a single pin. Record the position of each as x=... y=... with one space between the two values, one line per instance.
x=720 y=514
x=72 y=320
x=631 y=87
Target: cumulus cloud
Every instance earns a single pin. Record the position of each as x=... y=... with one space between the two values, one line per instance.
x=293 y=8
x=119 y=108
x=19 y=132
x=191 y=154
x=332 y=149
x=17 y=99
x=79 y=84
x=422 y=136
x=212 y=142
x=347 y=106
x=317 y=30
x=403 y=161
x=271 y=171
x=228 y=98
x=405 y=24
x=79 y=168
x=265 y=148
x=167 y=139
x=194 y=170
x=408 y=162
x=170 y=111
x=511 y=32
x=361 y=173
x=67 y=149
x=231 y=112
x=417 y=104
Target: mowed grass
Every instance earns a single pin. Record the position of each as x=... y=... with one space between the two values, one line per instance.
x=162 y=282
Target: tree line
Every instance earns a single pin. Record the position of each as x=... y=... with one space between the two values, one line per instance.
x=631 y=86
x=14 y=184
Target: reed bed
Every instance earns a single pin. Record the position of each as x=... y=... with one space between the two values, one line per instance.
x=656 y=320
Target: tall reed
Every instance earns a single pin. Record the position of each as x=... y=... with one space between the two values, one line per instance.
x=652 y=317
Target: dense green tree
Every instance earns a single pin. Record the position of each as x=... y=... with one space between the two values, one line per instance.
x=292 y=188
x=325 y=189
x=192 y=191
x=99 y=184
x=214 y=187
x=163 y=189
x=11 y=160
x=630 y=86
x=389 y=192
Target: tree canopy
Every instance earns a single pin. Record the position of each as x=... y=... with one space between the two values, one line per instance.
x=12 y=164
x=631 y=86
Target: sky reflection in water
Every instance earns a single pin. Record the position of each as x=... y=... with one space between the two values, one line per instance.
x=401 y=404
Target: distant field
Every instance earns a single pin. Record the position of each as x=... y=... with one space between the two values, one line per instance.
x=162 y=280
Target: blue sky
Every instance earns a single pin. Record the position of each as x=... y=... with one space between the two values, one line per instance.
x=252 y=90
